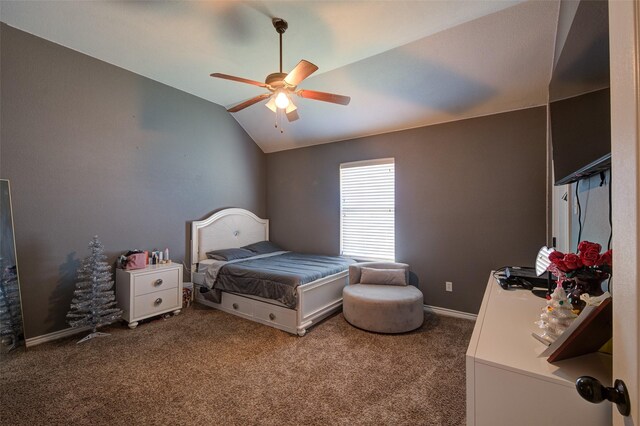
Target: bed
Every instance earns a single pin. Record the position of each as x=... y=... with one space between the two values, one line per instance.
x=294 y=313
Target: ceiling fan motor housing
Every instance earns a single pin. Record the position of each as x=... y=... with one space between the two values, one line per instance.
x=280 y=25
x=276 y=80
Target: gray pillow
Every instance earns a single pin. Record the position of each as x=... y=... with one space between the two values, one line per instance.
x=230 y=254
x=263 y=247
x=382 y=276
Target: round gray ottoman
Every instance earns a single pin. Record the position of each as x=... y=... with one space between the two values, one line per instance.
x=383 y=308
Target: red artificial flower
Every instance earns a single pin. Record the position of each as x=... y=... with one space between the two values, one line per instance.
x=556 y=257
x=585 y=246
x=572 y=261
x=590 y=256
x=606 y=258
x=587 y=263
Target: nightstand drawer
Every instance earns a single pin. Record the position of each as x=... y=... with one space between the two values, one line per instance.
x=156 y=281
x=156 y=303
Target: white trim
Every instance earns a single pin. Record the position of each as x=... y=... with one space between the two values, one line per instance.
x=372 y=162
x=624 y=49
x=450 y=312
x=50 y=337
x=33 y=341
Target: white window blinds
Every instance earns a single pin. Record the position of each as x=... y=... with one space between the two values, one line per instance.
x=367 y=209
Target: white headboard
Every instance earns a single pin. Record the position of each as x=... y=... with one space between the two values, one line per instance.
x=228 y=228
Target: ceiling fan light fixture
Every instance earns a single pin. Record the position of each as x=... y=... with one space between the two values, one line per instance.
x=282 y=100
x=290 y=108
x=272 y=104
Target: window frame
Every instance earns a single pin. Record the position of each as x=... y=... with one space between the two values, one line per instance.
x=364 y=163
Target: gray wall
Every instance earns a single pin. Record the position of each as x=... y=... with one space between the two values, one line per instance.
x=92 y=149
x=470 y=196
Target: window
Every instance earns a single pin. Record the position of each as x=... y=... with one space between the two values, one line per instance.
x=367 y=209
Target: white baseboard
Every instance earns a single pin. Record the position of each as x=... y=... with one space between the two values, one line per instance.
x=450 y=312
x=32 y=341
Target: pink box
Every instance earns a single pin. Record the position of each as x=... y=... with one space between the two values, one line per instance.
x=136 y=261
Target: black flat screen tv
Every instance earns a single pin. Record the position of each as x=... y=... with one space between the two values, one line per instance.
x=581 y=136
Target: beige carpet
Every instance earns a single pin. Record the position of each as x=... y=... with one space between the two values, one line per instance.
x=207 y=367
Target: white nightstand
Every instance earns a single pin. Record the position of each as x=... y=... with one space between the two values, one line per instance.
x=154 y=290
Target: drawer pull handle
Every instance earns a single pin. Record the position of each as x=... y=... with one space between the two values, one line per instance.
x=235 y=306
x=158 y=301
x=272 y=317
x=157 y=282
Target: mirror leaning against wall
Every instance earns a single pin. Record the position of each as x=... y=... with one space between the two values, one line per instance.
x=11 y=328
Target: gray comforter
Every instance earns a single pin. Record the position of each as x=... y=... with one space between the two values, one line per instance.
x=274 y=277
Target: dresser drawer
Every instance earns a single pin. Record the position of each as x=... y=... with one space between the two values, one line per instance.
x=156 y=281
x=275 y=314
x=156 y=303
x=237 y=303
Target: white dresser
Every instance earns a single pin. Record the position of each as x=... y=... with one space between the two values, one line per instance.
x=143 y=293
x=508 y=383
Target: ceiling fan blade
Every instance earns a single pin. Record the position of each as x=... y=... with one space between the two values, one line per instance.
x=325 y=97
x=248 y=103
x=303 y=70
x=239 y=79
x=293 y=115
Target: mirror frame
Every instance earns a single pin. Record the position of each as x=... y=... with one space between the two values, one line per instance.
x=15 y=254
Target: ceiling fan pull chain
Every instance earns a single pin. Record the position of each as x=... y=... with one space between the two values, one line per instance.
x=279 y=119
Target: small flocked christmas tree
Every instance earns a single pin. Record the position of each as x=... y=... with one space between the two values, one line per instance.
x=94 y=301
x=557 y=315
x=10 y=312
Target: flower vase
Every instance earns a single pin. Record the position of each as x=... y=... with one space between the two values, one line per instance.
x=580 y=284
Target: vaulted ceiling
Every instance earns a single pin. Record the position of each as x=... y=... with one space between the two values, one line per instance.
x=404 y=63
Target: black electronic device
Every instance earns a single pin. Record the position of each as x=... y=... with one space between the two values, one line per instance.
x=525 y=273
x=524 y=277
x=513 y=282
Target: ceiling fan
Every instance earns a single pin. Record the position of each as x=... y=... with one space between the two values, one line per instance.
x=282 y=86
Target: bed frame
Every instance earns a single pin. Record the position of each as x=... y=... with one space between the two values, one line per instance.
x=232 y=228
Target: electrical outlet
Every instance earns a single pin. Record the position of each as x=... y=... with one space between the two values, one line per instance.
x=449 y=286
